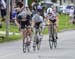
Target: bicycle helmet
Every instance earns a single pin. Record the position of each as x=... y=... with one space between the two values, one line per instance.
x=49 y=10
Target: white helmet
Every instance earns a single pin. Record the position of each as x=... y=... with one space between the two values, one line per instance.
x=49 y=10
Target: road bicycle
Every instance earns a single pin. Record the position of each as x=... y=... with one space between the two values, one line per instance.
x=52 y=36
x=37 y=38
x=26 y=38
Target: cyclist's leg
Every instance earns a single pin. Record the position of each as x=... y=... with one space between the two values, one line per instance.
x=29 y=31
x=23 y=31
x=36 y=27
x=40 y=29
x=49 y=30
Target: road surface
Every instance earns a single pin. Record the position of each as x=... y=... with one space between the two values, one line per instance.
x=64 y=50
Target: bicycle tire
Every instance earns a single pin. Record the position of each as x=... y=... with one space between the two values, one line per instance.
x=34 y=43
x=28 y=44
x=28 y=48
x=54 y=40
x=38 y=47
x=50 y=43
x=37 y=41
x=34 y=48
x=24 y=47
x=55 y=44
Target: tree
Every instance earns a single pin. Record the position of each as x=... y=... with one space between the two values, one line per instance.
x=7 y=19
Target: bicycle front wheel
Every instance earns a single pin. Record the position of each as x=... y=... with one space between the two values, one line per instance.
x=50 y=42
x=24 y=46
x=55 y=43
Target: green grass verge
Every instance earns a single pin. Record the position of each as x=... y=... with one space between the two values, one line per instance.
x=64 y=23
x=12 y=28
x=11 y=38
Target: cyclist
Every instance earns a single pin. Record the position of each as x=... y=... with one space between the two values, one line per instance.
x=37 y=20
x=52 y=17
x=23 y=18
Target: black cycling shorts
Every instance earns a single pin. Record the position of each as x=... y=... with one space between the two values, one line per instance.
x=24 y=23
x=53 y=21
x=37 y=24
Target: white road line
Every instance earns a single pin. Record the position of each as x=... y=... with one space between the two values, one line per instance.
x=8 y=55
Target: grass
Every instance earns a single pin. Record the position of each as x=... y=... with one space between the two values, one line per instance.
x=63 y=24
x=12 y=28
x=11 y=38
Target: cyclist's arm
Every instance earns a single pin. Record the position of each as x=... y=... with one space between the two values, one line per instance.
x=17 y=23
x=33 y=22
x=47 y=20
x=57 y=21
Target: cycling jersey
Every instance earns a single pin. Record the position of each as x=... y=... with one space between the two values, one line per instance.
x=24 y=14
x=37 y=18
x=23 y=17
x=51 y=14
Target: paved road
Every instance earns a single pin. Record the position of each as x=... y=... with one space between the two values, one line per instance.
x=65 y=49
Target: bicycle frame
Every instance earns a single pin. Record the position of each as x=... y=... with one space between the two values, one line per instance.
x=52 y=37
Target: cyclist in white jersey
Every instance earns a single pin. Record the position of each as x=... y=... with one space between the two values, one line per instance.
x=52 y=17
x=37 y=20
x=37 y=23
